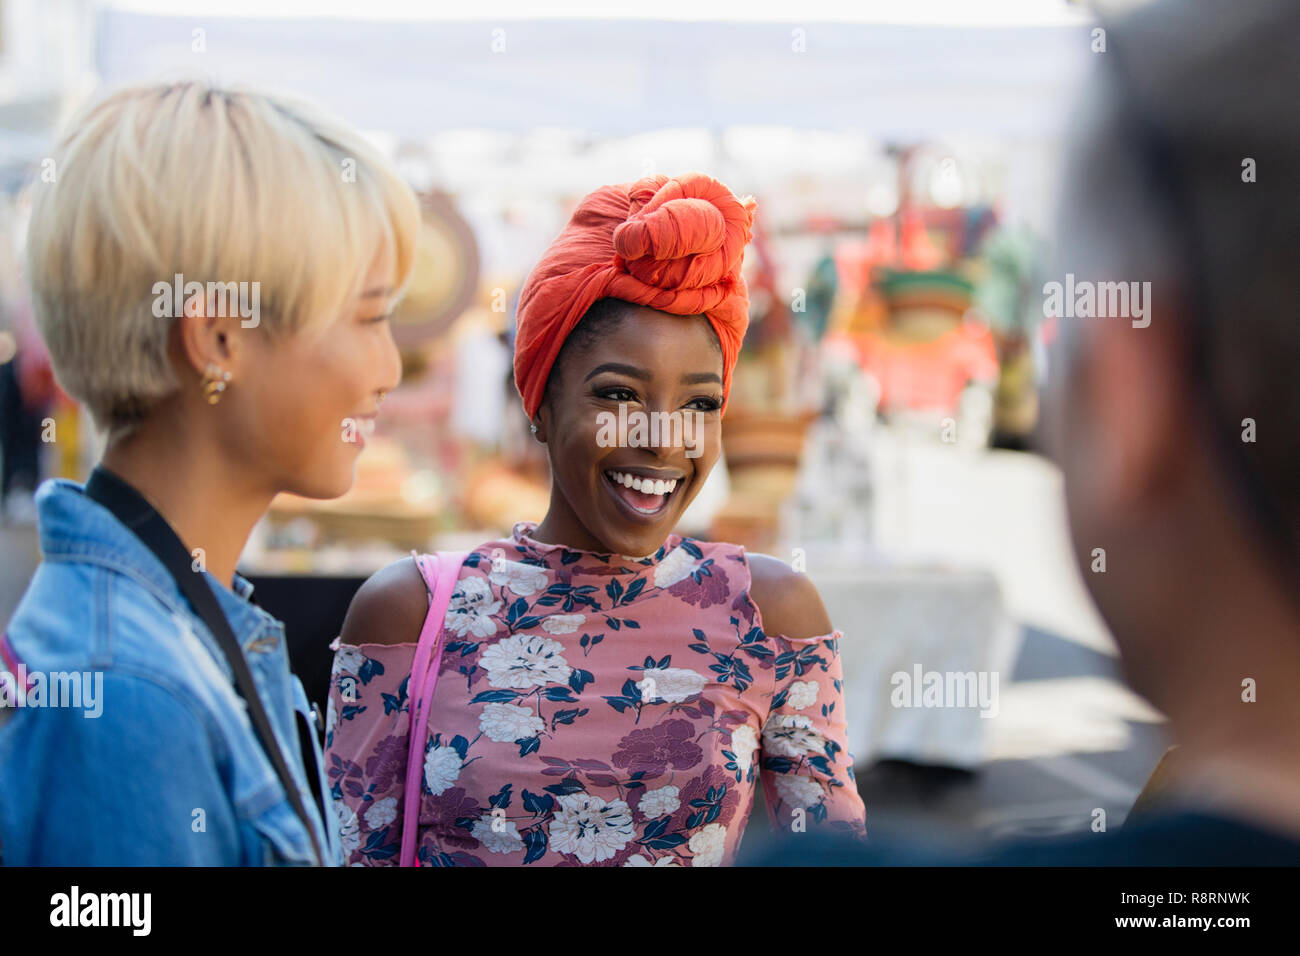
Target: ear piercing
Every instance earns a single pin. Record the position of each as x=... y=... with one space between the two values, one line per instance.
x=215 y=380
x=533 y=428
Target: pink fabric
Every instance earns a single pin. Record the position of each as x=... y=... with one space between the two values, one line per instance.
x=439 y=573
x=594 y=709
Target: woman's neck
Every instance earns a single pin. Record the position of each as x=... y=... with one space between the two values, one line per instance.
x=208 y=503
x=561 y=526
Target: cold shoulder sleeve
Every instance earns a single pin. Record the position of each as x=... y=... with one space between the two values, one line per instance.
x=807 y=769
x=366 y=734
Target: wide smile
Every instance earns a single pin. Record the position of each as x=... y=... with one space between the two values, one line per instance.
x=643 y=499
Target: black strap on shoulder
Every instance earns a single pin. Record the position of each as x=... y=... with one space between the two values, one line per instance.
x=131 y=508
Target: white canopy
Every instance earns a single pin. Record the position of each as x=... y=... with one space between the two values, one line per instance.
x=1007 y=76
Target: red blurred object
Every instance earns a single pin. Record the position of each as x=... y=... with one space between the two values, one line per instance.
x=918 y=251
x=856 y=261
x=927 y=375
x=35 y=374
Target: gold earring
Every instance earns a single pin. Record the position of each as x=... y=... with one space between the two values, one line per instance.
x=214 y=383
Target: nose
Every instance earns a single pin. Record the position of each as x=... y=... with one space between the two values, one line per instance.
x=666 y=431
x=393 y=356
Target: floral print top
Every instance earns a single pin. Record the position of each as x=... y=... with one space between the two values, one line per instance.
x=594 y=709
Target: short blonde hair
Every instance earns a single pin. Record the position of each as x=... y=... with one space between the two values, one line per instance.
x=215 y=184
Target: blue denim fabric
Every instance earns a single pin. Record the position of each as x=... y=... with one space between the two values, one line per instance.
x=170 y=772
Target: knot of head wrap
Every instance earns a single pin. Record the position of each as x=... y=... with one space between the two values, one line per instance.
x=675 y=245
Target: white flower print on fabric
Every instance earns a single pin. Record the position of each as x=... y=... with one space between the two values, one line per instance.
x=743 y=744
x=803 y=694
x=382 y=813
x=331 y=717
x=676 y=565
x=441 y=768
x=672 y=684
x=471 y=608
x=523 y=579
x=562 y=623
x=503 y=840
x=708 y=845
x=349 y=828
x=525 y=660
x=506 y=723
x=589 y=828
x=799 y=791
x=660 y=802
x=348 y=660
x=792 y=735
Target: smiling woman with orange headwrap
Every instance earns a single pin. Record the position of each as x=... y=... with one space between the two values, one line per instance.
x=609 y=692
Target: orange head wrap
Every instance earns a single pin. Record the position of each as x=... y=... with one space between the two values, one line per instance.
x=671 y=244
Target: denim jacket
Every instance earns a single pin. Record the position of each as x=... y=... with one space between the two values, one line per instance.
x=155 y=761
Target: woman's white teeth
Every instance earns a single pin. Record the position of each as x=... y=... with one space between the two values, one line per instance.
x=647 y=486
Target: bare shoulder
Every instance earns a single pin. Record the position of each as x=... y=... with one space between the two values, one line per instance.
x=389 y=608
x=787 y=599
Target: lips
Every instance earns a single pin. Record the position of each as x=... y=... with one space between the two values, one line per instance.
x=364 y=425
x=642 y=495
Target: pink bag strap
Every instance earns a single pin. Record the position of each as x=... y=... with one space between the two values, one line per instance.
x=440 y=571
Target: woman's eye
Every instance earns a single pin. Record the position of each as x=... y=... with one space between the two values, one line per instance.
x=706 y=404
x=376 y=319
x=617 y=394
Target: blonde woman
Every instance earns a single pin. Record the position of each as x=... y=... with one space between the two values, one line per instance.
x=212 y=271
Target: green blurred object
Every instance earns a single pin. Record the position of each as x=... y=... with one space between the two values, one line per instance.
x=935 y=288
x=1008 y=294
x=819 y=297
x=1009 y=297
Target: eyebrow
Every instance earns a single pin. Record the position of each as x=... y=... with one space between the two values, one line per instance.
x=692 y=378
x=371 y=293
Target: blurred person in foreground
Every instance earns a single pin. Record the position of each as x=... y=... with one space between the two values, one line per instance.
x=212 y=272
x=1179 y=433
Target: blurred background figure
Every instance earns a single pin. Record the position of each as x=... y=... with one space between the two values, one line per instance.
x=27 y=387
